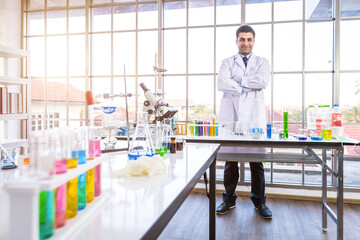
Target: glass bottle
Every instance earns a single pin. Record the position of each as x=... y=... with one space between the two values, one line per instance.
x=141 y=143
x=82 y=191
x=46 y=214
x=60 y=206
x=72 y=198
x=172 y=145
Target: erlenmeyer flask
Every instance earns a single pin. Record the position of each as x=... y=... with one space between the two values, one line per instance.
x=141 y=143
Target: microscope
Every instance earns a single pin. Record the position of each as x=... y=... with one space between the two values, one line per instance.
x=156 y=106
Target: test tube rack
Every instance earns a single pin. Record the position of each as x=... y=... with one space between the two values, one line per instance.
x=24 y=203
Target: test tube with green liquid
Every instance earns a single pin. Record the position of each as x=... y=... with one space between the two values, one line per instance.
x=46 y=214
x=196 y=128
x=286 y=125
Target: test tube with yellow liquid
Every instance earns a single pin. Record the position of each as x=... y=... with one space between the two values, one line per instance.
x=72 y=198
x=90 y=185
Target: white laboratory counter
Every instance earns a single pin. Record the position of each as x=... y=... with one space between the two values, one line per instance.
x=139 y=207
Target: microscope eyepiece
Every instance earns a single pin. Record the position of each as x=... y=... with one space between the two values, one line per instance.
x=142 y=85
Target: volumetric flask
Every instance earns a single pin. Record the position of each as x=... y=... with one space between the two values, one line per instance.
x=141 y=143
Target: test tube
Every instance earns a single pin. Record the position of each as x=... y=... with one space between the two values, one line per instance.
x=72 y=198
x=286 y=125
x=80 y=144
x=60 y=206
x=46 y=214
x=56 y=151
x=94 y=142
x=90 y=188
x=97 y=180
x=66 y=136
x=82 y=191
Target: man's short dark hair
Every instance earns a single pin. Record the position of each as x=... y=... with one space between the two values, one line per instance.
x=245 y=28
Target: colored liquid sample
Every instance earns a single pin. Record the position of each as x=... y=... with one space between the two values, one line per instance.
x=72 y=198
x=160 y=151
x=191 y=129
x=302 y=138
x=196 y=128
x=72 y=163
x=316 y=138
x=97 y=180
x=286 y=125
x=268 y=131
x=94 y=148
x=326 y=134
x=165 y=149
x=61 y=166
x=82 y=191
x=81 y=156
x=217 y=129
x=179 y=145
x=60 y=206
x=46 y=214
x=134 y=155
x=90 y=185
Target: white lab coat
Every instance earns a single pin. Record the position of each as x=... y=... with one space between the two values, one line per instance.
x=238 y=103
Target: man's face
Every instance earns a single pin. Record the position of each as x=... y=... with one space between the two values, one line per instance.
x=245 y=43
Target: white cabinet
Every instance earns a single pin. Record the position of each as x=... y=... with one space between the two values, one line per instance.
x=15 y=105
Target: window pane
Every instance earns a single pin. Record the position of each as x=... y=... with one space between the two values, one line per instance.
x=225 y=44
x=76 y=3
x=201 y=12
x=36 y=4
x=228 y=11
x=124 y=17
x=147 y=48
x=350 y=97
x=262 y=46
x=316 y=9
x=100 y=1
x=119 y=1
x=201 y=50
x=101 y=54
x=288 y=10
x=101 y=20
x=318 y=89
x=175 y=94
x=36 y=23
x=258 y=11
x=287 y=47
x=124 y=53
x=147 y=16
x=120 y=88
x=37 y=98
x=175 y=14
x=56 y=56
x=288 y=96
x=56 y=22
x=36 y=47
x=77 y=55
x=175 y=51
x=350 y=8
x=201 y=97
x=56 y=3
x=77 y=98
x=100 y=85
x=318 y=46
x=77 y=21
x=349 y=38
x=56 y=90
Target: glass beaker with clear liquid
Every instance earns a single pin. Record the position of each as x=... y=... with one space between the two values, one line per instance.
x=158 y=139
x=141 y=143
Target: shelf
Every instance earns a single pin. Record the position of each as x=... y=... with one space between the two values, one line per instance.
x=11 y=143
x=10 y=52
x=53 y=181
x=13 y=81
x=82 y=217
x=23 y=116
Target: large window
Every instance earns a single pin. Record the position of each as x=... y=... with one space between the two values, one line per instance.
x=78 y=45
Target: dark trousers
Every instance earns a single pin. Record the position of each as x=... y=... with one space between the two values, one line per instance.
x=231 y=177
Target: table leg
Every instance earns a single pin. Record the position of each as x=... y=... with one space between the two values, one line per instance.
x=212 y=220
x=324 y=192
x=340 y=195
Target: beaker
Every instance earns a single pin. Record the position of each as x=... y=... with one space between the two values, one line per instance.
x=141 y=143
x=157 y=138
x=167 y=133
x=42 y=161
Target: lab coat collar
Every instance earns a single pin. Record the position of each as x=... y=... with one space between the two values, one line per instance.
x=240 y=62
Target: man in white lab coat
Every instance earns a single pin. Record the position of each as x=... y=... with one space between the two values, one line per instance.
x=242 y=79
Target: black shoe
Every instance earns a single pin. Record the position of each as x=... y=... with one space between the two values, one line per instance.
x=224 y=207
x=263 y=210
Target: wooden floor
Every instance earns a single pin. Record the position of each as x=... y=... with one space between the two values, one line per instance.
x=292 y=220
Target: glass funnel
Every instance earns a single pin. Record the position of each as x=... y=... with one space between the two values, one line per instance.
x=141 y=143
